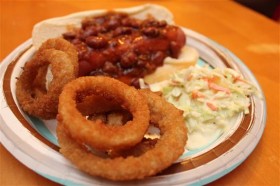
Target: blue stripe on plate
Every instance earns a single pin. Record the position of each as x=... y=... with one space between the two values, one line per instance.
x=43 y=130
x=59 y=180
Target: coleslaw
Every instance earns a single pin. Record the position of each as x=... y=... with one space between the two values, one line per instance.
x=210 y=98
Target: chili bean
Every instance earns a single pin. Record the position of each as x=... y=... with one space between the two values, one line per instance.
x=130 y=23
x=76 y=41
x=96 y=59
x=122 y=31
x=87 y=22
x=69 y=35
x=150 y=31
x=99 y=20
x=82 y=50
x=113 y=23
x=89 y=31
x=150 y=23
x=96 y=42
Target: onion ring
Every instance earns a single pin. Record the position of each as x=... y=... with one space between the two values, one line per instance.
x=167 y=149
x=39 y=83
x=65 y=46
x=145 y=145
x=96 y=133
x=30 y=87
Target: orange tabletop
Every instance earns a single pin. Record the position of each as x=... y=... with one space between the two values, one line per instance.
x=251 y=36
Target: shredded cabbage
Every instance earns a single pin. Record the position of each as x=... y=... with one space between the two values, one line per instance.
x=209 y=97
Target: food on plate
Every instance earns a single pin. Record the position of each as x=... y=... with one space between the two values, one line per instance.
x=126 y=44
x=35 y=94
x=210 y=99
x=104 y=124
x=95 y=133
x=148 y=160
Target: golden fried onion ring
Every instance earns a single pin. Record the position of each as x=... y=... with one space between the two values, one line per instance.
x=64 y=65
x=65 y=46
x=167 y=149
x=96 y=133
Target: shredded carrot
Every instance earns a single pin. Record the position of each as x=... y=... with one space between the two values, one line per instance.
x=238 y=78
x=196 y=94
x=189 y=77
x=213 y=79
x=216 y=87
x=211 y=106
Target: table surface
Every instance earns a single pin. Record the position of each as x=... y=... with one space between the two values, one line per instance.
x=251 y=36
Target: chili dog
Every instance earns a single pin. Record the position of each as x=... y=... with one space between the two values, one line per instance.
x=126 y=62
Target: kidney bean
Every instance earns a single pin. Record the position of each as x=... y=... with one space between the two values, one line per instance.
x=96 y=42
x=122 y=31
x=96 y=59
x=82 y=50
x=87 y=22
x=130 y=23
x=69 y=35
x=150 y=31
x=89 y=31
x=113 y=23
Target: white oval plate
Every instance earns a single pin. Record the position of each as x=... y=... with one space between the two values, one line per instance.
x=33 y=141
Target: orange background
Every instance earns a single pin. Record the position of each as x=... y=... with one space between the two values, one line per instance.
x=251 y=36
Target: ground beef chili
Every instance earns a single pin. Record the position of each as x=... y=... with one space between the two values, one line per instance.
x=123 y=47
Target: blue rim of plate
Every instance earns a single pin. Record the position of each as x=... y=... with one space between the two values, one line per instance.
x=194 y=170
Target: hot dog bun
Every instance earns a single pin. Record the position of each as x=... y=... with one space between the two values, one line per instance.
x=55 y=27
